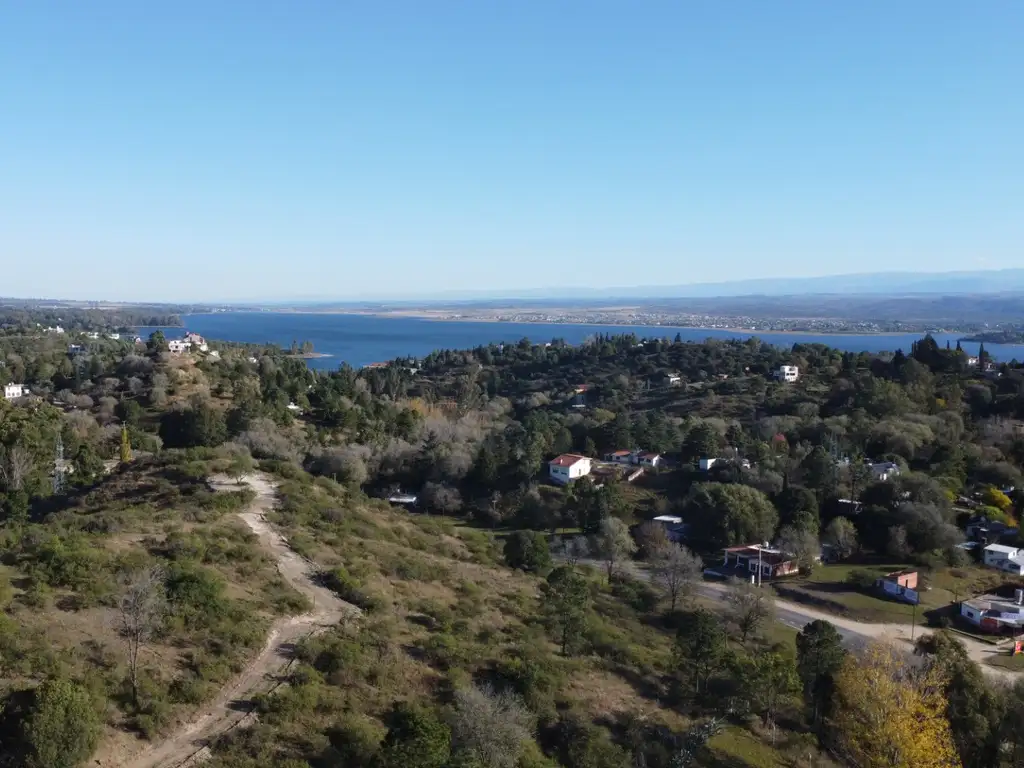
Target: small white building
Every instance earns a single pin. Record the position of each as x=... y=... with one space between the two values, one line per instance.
x=637 y=457
x=620 y=457
x=14 y=391
x=196 y=341
x=177 y=346
x=884 y=470
x=568 y=467
x=54 y=329
x=648 y=459
x=994 y=613
x=1009 y=559
x=788 y=373
x=706 y=464
x=114 y=336
x=94 y=335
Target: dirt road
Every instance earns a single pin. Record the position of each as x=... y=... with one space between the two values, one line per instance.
x=187 y=746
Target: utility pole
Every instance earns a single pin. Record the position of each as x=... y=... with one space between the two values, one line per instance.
x=759 y=565
x=913 y=622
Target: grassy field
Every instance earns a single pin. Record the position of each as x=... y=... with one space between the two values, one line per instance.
x=829 y=585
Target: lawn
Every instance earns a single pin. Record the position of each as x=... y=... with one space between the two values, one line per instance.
x=828 y=588
x=737 y=747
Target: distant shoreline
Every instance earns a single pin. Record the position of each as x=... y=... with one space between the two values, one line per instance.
x=309 y=355
x=440 y=316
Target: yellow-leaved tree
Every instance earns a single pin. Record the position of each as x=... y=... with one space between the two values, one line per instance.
x=889 y=714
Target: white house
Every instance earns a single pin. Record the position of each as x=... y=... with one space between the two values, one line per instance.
x=92 y=335
x=638 y=457
x=706 y=464
x=972 y=361
x=568 y=467
x=177 y=346
x=995 y=613
x=883 y=470
x=619 y=457
x=54 y=329
x=196 y=341
x=14 y=391
x=1009 y=559
x=788 y=373
x=648 y=459
x=114 y=336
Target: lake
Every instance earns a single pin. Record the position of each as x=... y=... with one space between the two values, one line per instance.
x=362 y=339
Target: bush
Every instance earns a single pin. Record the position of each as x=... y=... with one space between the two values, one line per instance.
x=859 y=578
x=527 y=551
x=63 y=725
x=349 y=589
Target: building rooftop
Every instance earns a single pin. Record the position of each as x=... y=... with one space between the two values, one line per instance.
x=1002 y=549
x=567 y=460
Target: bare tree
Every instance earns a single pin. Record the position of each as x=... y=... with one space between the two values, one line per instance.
x=141 y=606
x=489 y=728
x=442 y=498
x=570 y=549
x=613 y=544
x=652 y=540
x=750 y=607
x=15 y=466
x=801 y=544
x=678 y=570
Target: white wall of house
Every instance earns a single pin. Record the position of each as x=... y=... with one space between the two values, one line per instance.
x=788 y=373
x=14 y=391
x=564 y=475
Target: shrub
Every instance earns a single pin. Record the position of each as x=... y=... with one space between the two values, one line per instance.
x=859 y=578
x=349 y=589
x=63 y=725
x=528 y=551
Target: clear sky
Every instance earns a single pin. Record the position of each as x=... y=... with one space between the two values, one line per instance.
x=272 y=150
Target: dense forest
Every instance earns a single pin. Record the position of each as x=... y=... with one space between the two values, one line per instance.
x=502 y=620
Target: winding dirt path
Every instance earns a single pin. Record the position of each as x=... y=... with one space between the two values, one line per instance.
x=231 y=709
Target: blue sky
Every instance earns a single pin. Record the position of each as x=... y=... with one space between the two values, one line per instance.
x=258 y=150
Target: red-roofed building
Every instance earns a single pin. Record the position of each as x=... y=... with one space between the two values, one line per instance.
x=568 y=467
x=773 y=562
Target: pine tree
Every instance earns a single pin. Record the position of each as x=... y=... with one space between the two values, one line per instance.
x=126 y=445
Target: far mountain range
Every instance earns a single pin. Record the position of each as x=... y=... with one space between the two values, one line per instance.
x=868 y=283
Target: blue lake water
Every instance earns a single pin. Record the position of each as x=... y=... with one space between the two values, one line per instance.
x=362 y=339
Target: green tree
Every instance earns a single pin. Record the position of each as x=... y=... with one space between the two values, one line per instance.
x=566 y=600
x=157 y=342
x=841 y=536
x=976 y=711
x=416 y=738
x=63 y=726
x=700 y=648
x=527 y=551
x=819 y=656
x=702 y=442
x=771 y=682
x=724 y=515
